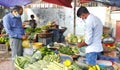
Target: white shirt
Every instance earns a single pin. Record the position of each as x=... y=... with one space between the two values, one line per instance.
x=93 y=34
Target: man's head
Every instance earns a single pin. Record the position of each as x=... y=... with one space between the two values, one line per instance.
x=82 y=12
x=17 y=11
x=32 y=16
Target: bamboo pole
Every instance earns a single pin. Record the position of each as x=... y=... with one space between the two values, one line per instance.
x=74 y=26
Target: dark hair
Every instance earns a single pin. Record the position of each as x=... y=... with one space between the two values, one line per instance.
x=32 y=16
x=17 y=8
x=82 y=10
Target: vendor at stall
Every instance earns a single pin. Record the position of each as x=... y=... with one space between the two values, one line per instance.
x=93 y=34
x=56 y=32
x=32 y=22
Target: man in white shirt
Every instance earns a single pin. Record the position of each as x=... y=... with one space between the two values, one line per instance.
x=93 y=34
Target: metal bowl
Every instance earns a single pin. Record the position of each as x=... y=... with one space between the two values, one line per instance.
x=108 y=40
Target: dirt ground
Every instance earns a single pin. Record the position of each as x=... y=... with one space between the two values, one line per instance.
x=5 y=61
x=6 y=65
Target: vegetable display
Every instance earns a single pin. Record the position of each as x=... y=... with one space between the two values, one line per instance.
x=55 y=56
x=4 y=39
x=44 y=27
x=56 y=66
x=73 y=39
x=39 y=65
x=21 y=61
x=75 y=49
x=45 y=51
x=75 y=66
x=35 y=57
x=46 y=59
x=32 y=30
x=51 y=58
x=66 y=50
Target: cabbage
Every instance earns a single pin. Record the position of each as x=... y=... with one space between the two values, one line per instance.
x=25 y=44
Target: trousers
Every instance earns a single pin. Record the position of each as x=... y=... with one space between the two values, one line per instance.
x=16 y=47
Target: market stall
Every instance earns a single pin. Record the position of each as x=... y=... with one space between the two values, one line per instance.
x=47 y=49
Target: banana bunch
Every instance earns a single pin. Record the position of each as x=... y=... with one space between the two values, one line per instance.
x=96 y=67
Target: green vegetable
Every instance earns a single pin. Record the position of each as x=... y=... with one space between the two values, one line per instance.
x=32 y=31
x=75 y=50
x=45 y=51
x=72 y=39
x=39 y=65
x=44 y=27
x=75 y=66
x=51 y=58
x=21 y=61
x=105 y=35
x=36 y=56
x=37 y=30
x=29 y=30
x=66 y=50
x=56 y=66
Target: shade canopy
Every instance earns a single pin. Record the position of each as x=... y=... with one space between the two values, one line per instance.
x=85 y=1
x=66 y=3
x=110 y=2
x=10 y=3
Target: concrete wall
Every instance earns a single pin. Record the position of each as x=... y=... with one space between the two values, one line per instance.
x=63 y=17
x=115 y=16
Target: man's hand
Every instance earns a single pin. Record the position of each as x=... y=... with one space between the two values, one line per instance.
x=24 y=37
x=81 y=44
x=23 y=25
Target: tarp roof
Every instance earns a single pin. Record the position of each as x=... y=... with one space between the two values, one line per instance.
x=110 y=2
x=10 y=3
x=66 y=3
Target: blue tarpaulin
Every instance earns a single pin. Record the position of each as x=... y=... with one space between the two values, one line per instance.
x=110 y=2
x=10 y=3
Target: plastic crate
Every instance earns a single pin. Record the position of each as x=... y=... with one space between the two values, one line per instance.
x=3 y=47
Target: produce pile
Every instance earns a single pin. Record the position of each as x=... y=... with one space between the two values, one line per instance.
x=51 y=58
x=32 y=31
x=44 y=27
x=73 y=39
x=27 y=61
x=46 y=59
x=4 y=39
x=69 y=50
